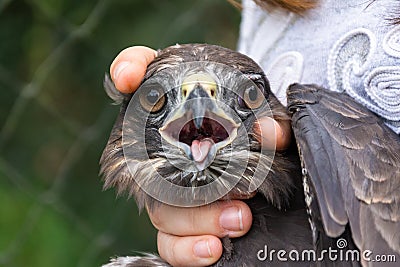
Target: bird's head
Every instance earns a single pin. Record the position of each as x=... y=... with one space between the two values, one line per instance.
x=186 y=136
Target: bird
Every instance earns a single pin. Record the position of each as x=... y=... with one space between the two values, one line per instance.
x=186 y=137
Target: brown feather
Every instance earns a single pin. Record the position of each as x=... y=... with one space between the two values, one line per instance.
x=296 y=6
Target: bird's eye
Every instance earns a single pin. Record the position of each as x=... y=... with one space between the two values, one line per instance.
x=252 y=98
x=152 y=99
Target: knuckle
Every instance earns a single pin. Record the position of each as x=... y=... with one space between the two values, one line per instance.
x=163 y=246
x=156 y=220
x=174 y=253
x=192 y=219
x=168 y=248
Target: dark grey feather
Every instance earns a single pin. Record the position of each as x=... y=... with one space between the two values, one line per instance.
x=111 y=91
x=353 y=160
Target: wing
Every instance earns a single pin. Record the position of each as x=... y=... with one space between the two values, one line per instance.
x=352 y=161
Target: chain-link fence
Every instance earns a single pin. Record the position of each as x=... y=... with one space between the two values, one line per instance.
x=55 y=119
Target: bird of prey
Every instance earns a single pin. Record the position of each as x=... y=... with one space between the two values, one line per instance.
x=186 y=137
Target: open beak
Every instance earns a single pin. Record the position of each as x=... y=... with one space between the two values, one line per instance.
x=199 y=126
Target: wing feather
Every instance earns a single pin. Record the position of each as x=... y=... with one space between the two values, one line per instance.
x=353 y=162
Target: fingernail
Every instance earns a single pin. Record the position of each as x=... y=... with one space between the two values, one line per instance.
x=231 y=219
x=119 y=68
x=202 y=249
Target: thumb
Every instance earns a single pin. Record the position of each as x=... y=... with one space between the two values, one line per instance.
x=129 y=67
x=273 y=134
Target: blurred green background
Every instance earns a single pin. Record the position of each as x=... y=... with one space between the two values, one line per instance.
x=55 y=119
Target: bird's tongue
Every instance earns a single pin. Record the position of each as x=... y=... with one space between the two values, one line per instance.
x=200 y=149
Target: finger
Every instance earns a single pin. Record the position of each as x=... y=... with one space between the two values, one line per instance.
x=273 y=134
x=128 y=68
x=224 y=218
x=189 y=250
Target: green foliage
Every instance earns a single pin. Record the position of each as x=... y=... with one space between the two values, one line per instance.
x=55 y=119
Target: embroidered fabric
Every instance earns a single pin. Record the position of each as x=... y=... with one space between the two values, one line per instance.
x=342 y=45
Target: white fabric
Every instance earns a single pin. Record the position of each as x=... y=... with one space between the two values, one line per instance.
x=341 y=45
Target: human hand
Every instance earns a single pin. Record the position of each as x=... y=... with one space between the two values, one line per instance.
x=190 y=236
